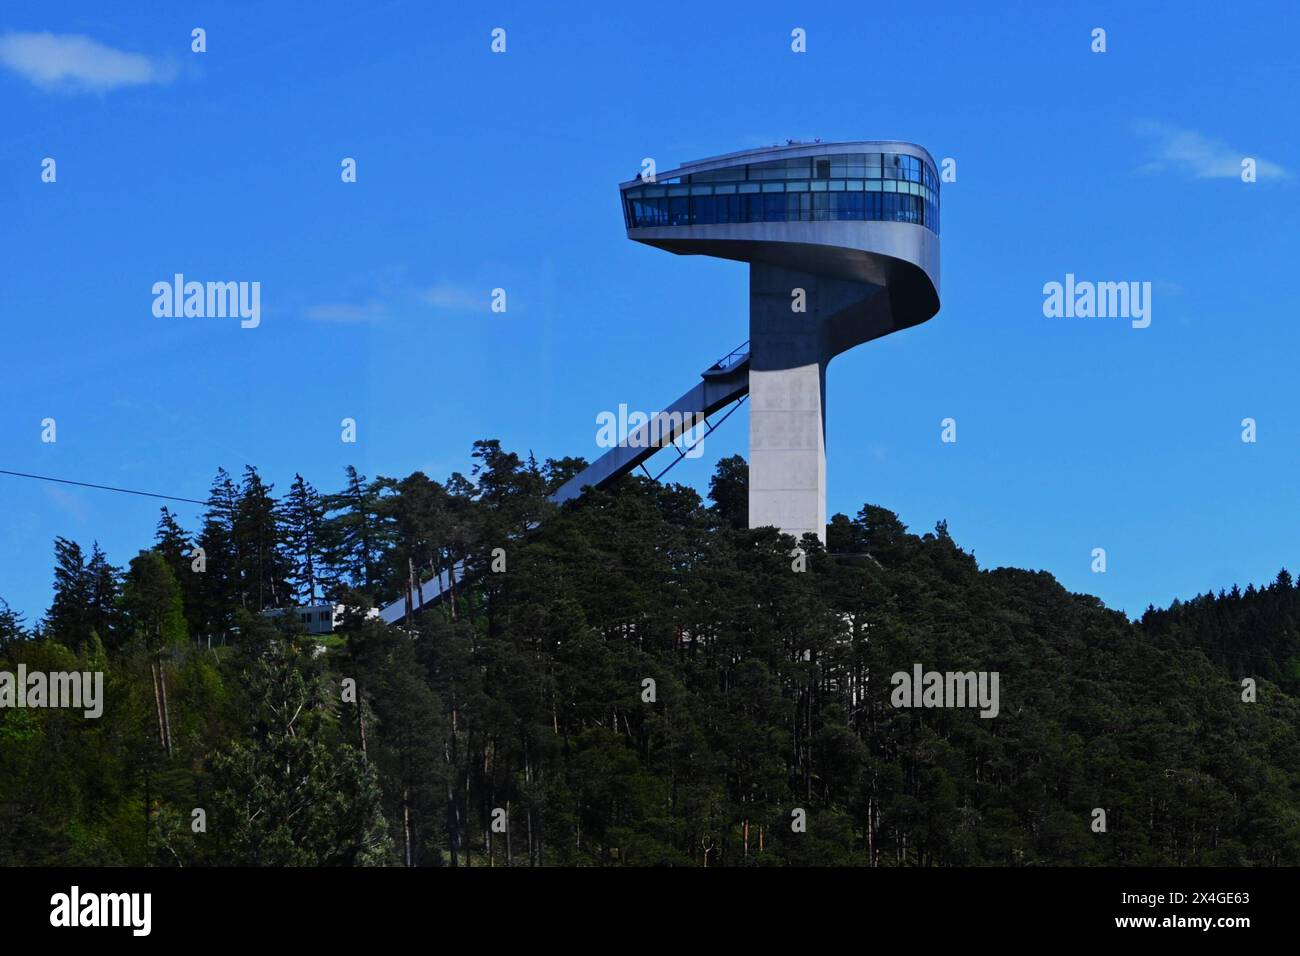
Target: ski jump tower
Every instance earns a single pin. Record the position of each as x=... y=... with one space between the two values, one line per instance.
x=842 y=241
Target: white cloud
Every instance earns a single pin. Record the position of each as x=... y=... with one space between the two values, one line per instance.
x=346 y=313
x=456 y=298
x=70 y=503
x=73 y=63
x=1188 y=152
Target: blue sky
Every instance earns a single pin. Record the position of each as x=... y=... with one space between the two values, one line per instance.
x=478 y=170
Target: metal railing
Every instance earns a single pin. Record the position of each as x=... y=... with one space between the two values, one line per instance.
x=740 y=352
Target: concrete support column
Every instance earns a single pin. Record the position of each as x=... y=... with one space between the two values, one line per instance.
x=787 y=450
x=787 y=403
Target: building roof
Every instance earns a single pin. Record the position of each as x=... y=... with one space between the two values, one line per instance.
x=793 y=150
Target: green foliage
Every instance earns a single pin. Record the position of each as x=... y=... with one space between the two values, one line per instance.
x=513 y=723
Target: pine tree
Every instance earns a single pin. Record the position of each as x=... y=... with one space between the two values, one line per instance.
x=174 y=544
x=263 y=568
x=217 y=584
x=70 y=618
x=102 y=582
x=11 y=626
x=729 y=491
x=353 y=536
x=302 y=514
x=286 y=792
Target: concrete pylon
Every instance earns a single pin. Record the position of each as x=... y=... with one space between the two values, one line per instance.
x=798 y=322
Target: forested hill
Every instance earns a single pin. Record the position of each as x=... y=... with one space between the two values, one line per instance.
x=635 y=679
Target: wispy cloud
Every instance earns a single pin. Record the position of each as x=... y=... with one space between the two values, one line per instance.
x=1190 y=153
x=70 y=503
x=66 y=62
x=346 y=313
x=455 y=298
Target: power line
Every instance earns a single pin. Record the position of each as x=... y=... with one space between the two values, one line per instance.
x=86 y=484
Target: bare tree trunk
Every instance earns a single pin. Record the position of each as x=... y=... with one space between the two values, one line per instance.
x=406 y=821
x=469 y=746
x=451 y=582
x=167 y=719
x=157 y=703
x=528 y=780
x=361 y=729
x=490 y=792
x=451 y=823
x=871 y=834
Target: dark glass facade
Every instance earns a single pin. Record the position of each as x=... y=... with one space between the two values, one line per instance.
x=889 y=187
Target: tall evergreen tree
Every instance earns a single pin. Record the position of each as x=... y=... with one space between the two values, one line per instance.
x=11 y=626
x=217 y=584
x=174 y=544
x=289 y=792
x=71 y=615
x=354 y=536
x=263 y=566
x=102 y=581
x=302 y=513
x=729 y=491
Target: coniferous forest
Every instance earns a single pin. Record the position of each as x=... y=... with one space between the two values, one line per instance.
x=635 y=679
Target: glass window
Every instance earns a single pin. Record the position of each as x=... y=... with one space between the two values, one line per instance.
x=719 y=175
x=847 y=206
x=852 y=187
